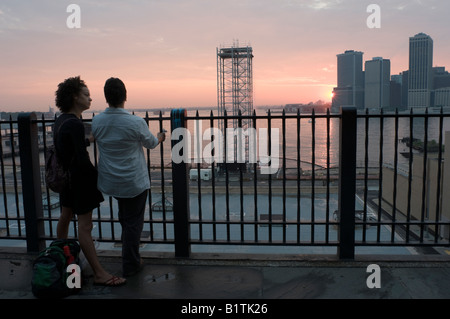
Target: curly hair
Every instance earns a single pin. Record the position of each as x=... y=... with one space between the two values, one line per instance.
x=66 y=92
x=115 y=92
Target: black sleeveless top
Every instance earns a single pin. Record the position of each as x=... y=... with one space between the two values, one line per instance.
x=81 y=194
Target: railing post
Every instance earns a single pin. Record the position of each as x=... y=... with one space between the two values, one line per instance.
x=31 y=181
x=180 y=186
x=347 y=183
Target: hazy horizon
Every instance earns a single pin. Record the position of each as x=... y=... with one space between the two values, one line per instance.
x=165 y=51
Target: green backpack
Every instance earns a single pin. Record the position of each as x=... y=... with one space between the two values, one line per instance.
x=50 y=274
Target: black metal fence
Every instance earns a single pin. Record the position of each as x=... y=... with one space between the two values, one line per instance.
x=296 y=183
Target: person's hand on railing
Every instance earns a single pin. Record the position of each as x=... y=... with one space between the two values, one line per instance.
x=161 y=136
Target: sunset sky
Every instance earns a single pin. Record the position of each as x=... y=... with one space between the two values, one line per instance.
x=165 y=50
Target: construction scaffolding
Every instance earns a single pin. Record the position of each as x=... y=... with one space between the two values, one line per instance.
x=235 y=87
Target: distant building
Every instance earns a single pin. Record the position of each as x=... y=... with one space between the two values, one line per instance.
x=442 y=97
x=395 y=92
x=317 y=107
x=342 y=97
x=405 y=86
x=350 y=88
x=377 y=83
x=420 y=71
x=441 y=78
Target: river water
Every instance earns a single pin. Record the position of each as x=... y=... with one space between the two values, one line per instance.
x=375 y=128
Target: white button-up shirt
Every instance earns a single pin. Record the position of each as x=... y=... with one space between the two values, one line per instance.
x=121 y=136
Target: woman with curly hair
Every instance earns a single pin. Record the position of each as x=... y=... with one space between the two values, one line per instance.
x=81 y=195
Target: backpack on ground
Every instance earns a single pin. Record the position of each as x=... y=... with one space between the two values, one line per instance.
x=50 y=274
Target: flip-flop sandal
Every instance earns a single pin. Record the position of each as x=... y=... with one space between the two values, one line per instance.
x=114 y=281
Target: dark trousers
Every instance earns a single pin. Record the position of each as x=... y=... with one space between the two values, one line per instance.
x=131 y=218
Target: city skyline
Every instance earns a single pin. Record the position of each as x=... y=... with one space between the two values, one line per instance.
x=166 y=51
x=419 y=87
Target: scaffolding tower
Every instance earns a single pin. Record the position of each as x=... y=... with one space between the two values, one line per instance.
x=235 y=86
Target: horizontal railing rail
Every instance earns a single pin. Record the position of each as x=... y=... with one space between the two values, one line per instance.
x=280 y=183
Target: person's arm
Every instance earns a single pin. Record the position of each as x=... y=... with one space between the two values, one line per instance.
x=79 y=145
x=89 y=140
x=147 y=138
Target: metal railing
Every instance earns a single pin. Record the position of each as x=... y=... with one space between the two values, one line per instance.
x=337 y=181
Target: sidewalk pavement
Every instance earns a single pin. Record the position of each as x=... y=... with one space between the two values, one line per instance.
x=259 y=278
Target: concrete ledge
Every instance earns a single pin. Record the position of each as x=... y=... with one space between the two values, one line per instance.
x=324 y=260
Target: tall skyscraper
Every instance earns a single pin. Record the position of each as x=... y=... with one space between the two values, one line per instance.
x=377 y=83
x=350 y=88
x=420 y=81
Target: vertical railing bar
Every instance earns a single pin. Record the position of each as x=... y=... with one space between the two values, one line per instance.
x=298 y=176
x=366 y=174
x=163 y=190
x=53 y=135
x=347 y=182
x=227 y=177
x=380 y=174
x=408 y=211
x=27 y=127
x=111 y=218
x=283 y=125
x=255 y=186
x=394 y=204
x=213 y=185
x=425 y=183
x=31 y=182
x=439 y=177
x=47 y=191
x=180 y=187
x=269 y=128
x=5 y=197
x=327 y=214
x=313 y=174
x=241 y=177
x=150 y=193
x=198 y=151
x=13 y=158
x=53 y=141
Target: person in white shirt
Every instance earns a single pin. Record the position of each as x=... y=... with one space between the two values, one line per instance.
x=122 y=169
